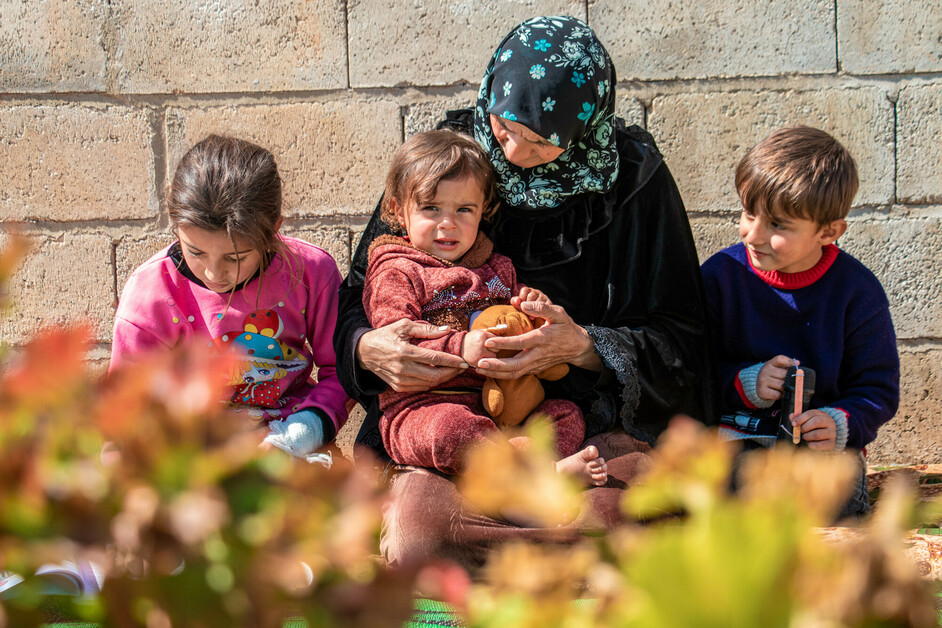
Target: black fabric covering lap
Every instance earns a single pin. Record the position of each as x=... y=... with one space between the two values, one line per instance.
x=623 y=264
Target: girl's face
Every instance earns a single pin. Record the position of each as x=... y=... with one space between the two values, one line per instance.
x=211 y=257
x=447 y=225
x=522 y=147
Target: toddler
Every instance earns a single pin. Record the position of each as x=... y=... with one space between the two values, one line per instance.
x=443 y=270
x=232 y=282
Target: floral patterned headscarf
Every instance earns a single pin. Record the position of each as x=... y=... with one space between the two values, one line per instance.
x=552 y=75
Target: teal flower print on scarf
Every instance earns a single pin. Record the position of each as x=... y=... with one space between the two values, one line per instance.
x=555 y=77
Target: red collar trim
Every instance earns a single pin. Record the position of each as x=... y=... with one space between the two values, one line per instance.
x=793 y=281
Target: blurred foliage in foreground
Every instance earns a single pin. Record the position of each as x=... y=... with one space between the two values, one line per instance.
x=709 y=559
x=196 y=525
x=193 y=523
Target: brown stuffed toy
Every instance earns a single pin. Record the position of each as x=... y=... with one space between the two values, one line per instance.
x=510 y=401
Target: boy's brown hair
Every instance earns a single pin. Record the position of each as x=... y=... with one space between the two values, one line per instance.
x=426 y=159
x=800 y=172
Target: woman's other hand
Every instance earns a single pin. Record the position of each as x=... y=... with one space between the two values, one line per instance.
x=389 y=353
x=557 y=341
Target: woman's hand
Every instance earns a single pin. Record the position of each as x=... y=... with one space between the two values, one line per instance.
x=558 y=340
x=389 y=354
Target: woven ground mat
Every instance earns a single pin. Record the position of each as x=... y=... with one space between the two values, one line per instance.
x=927 y=478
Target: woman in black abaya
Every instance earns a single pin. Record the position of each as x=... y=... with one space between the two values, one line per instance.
x=591 y=216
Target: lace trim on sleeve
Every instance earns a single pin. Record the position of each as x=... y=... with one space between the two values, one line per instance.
x=611 y=349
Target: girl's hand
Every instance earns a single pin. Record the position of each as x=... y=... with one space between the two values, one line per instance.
x=771 y=378
x=558 y=340
x=389 y=354
x=529 y=294
x=817 y=428
x=473 y=349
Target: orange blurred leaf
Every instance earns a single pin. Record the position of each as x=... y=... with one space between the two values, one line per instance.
x=49 y=370
x=16 y=250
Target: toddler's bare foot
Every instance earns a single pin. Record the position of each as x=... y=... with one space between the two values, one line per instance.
x=586 y=465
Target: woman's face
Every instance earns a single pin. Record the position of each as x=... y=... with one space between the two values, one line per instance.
x=522 y=147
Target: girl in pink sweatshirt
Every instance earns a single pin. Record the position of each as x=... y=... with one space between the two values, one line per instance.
x=231 y=282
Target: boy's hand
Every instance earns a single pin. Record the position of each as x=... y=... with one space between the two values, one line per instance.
x=817 y=429
x=771 y=378
x=529 y=294
x=473 y=349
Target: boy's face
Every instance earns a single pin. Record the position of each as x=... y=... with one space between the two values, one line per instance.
x=447 y=225
x=786 y=244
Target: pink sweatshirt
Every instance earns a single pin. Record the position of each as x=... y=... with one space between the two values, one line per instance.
x=282 y=322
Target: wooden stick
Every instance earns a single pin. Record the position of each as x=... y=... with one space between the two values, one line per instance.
x=799 y=397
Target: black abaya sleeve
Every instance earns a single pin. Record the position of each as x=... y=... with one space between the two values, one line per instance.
x=352 y=323
x=654 y=334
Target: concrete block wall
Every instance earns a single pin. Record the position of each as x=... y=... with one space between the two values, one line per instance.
x=98 y=99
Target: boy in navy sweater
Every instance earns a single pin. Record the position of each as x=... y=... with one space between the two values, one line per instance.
x=787 y=293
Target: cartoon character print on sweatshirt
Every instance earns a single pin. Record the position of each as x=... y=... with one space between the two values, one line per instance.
x=266 y=360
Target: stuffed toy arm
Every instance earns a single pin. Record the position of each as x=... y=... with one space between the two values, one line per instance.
x=555 y=372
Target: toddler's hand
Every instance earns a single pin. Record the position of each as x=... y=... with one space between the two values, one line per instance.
x=473 y=349
x=529 y=294
x=817 y=428
x=771 y=378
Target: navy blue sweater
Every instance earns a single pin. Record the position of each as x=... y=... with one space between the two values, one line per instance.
x=833 y=318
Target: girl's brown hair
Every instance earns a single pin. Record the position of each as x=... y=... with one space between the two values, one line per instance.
x=426 y=159
x=801 y=172
x=228 y=184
